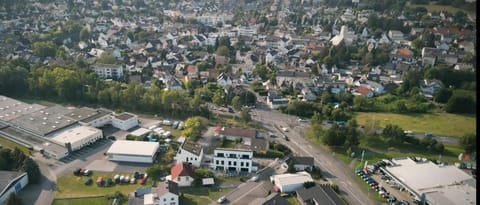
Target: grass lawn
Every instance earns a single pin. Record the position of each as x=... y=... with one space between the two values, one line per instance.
x=229 y=144
x=81 y=201
x=73 y=186
x=292 y=200
x=442 y=124
x=11 y=144
x=200 y=195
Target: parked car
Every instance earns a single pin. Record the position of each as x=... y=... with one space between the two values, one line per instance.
x=254 y=179
x=286 y=138
x=112 y=138
x=87 y=172
x=100 y=181
x=143 y=181
x=221 y=199
x=77 y=172
x=175 y=124
x=133 y=180
x=109 y=182
x=180 y=126
x=428 y=134
x=89 y=181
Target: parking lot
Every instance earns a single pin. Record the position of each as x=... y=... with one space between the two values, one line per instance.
x=384 y=185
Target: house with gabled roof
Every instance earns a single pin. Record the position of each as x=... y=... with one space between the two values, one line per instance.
x=189 y=152
x=182 y=173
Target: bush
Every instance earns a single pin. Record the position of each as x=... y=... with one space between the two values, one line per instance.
x=335 y=188
x=269 y=154
x=131 y=137
x=316 y=173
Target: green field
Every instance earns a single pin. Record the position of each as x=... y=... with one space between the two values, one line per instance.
x=73 y=186
x=202 y=195
x=441 y=124
x=10 y=144
x=292 y=200
x=81 y=201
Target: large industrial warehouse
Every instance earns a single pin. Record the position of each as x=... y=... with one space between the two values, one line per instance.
x=133 y=151
x=56 y=131
x=434 y=184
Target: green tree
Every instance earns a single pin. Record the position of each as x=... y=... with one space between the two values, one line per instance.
x=309 y=184
x=223 y=51
x=85 y=34
x=107 y=58
x=468 y=143
x=32 y=169
x=13 y=80
x=44 y=49
x=236 y=103
x=245 y=115
x=460 y=102
x=219 y=98
x=394 y=134
x=193 y=128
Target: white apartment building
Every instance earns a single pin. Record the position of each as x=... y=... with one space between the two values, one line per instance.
x=108 y=71
x=124 y=121
x=190 y=152
x=233 y=160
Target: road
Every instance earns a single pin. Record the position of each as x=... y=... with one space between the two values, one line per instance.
x=334 y=170
x=249 y=191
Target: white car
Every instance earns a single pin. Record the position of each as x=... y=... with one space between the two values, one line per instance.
x=254 y=179
x=221 y=199
x=285 y=129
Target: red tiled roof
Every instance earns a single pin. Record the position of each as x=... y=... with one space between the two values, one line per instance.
x=181 y=169
x=363 y=90
x=405 y=52
x=192 y=69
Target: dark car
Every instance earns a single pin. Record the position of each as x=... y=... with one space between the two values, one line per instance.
x=230 y=110
x=109 y=182
x=112 y=138
x=77 y=172
x=89 y=181
x=286 y=138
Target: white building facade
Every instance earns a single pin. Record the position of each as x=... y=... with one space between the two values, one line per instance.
x=191 y=153
x=108 y=71
x=125 y=121
x=78 y=137
x=233 y=160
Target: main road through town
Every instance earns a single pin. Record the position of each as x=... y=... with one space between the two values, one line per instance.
x=334 y=170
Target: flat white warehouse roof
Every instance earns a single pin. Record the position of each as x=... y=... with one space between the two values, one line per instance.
x=441 y=184
x=75 y=134
x=296 y=178
x=140 y=131
x=125 y=147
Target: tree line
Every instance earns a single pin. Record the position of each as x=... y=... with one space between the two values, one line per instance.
x=16 y=160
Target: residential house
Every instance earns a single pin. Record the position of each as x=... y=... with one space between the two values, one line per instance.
x=189 y=152
x=318 y=195
x=403 y=55
x=275 y=99
x=302 y=163
x=363 y=90
x=430 y=87
x=272 y=199
x=395 y=36
x=224 y=80
x=182 y=174
x=230 y=159
x=192 y=72
x=165 y=194
x=236 y=133
x=108 y=71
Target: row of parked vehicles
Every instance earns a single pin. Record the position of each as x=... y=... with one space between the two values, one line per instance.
x=118 y=179
x=365 y=175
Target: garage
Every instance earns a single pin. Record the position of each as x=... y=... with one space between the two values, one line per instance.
x=133 y=151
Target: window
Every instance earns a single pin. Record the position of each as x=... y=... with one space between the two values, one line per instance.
x=164 y=199
x=216 y=161
x=234 y=163
x=246 y=164
x=229 y=163
x=195 y=159
x=187 y=178
x=179 y=178
x=241 y=164
x=172 y=199
x=223 y=162
x=186 y=159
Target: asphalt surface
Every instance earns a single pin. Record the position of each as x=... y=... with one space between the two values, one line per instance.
x=334 y=170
